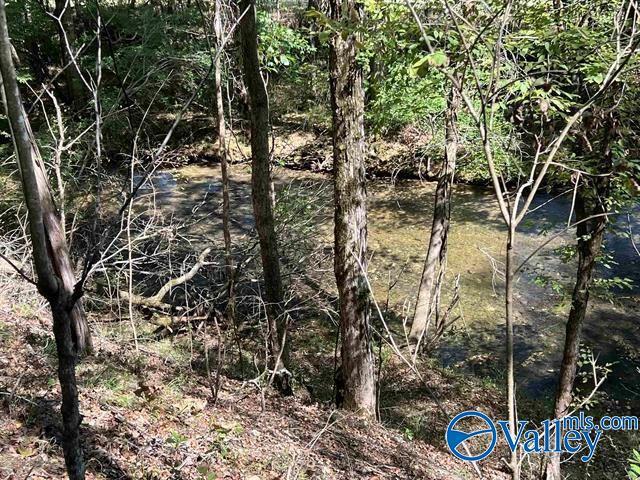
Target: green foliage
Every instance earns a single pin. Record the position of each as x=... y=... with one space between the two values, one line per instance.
x=556 y=72
x=176 y=438
x=34 y=37
x=298 y=208
x=206 y=472
x=634 y=465
x=546 y=281
x=556 y=57
x=401 y=100
x=409 y=434
x=281 y=48
x=163 y=55
x=606 y=288
x=589 y=372
x=299 y=80
x=435 y=59
x=401 y=89
x=566 y=252
x=44 y=343
x=407 y=86
x=222 y=436
x=472 y=164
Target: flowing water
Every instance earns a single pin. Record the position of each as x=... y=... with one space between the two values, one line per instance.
x=399 y=220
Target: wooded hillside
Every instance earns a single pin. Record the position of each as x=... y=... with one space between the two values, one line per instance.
x=295 y=240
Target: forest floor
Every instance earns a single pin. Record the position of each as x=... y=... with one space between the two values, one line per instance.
x=150 y=415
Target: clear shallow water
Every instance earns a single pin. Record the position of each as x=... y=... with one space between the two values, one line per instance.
x=399 y=221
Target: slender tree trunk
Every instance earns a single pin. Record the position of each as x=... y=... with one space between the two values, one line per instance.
x=590 y=235
x=263 y=196
x=590 y=201
x=224 y=165
x=435 y=261
x=511 y=381
x=350 y=231
x=71 y=419
x=56 y=242
x=51 y=258
x=66 y=35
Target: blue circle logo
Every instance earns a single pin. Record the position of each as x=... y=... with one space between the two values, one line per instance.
x=456 y=438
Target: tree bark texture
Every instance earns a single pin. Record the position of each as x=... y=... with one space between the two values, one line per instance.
x=436 y=252
x=55 y=279
x=263 y=196
x=591 y=199
x=350 y=229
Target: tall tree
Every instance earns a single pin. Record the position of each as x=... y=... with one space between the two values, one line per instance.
x=435 y=262
x=514 y=203
x=591 y=207
x=55 y=277
x=350 y=229
x=263 y=196
x=224 y=160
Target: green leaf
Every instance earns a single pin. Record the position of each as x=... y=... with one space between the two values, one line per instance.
x=421 y=66
x=324 y=36
x=284 y=60
x=437 y=59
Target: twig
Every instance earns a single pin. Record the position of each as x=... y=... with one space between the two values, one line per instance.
x=18 y=270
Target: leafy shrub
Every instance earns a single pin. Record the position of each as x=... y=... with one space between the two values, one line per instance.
x=634 y=465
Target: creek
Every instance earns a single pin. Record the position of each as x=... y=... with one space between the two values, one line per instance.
x=399 y=220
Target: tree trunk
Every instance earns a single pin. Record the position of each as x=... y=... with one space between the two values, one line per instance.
x=590 y=235
x=71 y=418
x=224 y=164
x=55 y=276
x=436 y=253
x=55 y=242
x=350 y=230
x=511 y=380
x=262 y=196
x=589 y=202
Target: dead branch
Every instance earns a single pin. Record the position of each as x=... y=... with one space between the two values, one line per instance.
x=156 y=301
